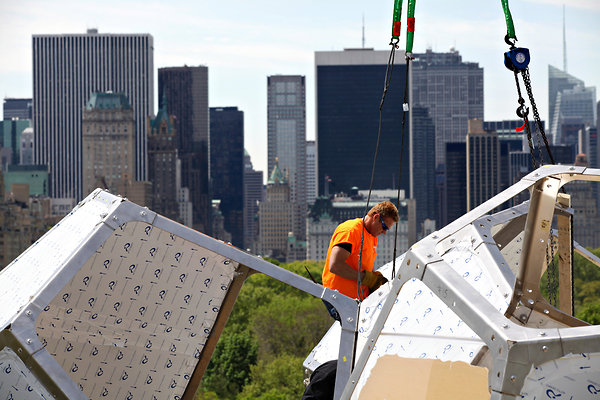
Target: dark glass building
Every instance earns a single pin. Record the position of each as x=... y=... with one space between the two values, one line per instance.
x=423 y=185
x=17 y=108
x=456 y=181
x=186 y=90
x=349 y=86
x=227 y=168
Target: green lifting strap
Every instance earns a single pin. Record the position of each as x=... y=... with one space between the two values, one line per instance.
x=410 y=26
x=397 y=17
x=510 y=28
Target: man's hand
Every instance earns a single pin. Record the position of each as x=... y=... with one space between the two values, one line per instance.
x=373 y=280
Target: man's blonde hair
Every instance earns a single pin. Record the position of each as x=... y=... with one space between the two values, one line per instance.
x=385 y=209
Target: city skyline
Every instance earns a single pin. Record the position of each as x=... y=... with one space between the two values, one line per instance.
x=241 y=52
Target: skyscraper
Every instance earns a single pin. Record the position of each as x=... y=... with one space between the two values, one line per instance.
x=186 y=90
x=17 y=108
x=253 y=195
x=227 y=168
x=311 y=171
x=275 y=216
x=163 y=163
x=422 y=181
x=10 y=140
x=574 y=107
x=349 y=87
x=286 y=113
x=455 y=196
x=108 y=142
x=66 y=70
x=452 y=91
x=557 y=82
x=483 y=164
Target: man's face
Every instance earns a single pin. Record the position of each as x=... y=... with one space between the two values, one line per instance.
x=382 y=224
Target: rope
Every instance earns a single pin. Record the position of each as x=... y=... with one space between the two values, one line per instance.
x=388 y=78
x=405 y=109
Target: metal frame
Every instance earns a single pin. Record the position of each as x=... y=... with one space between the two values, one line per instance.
x=514 y=345
x=21 y=334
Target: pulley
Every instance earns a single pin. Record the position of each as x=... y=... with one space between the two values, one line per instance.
x=517 y=59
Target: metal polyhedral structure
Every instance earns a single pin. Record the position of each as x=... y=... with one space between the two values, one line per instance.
x=118 y=302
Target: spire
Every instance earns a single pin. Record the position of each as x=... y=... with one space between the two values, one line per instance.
x=564 y=42
x=363 y=30
x=277 y=176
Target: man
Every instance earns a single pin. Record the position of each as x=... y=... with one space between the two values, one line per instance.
x=341 y=271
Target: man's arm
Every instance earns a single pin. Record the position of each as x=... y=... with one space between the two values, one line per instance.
x=338 y=266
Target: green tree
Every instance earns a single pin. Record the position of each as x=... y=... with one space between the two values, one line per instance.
x=590 y=313
x=229 y=368
x=279 y=379
x=272 y=328
x=289 y=325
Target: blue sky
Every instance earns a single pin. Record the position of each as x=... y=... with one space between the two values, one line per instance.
x=243 y=42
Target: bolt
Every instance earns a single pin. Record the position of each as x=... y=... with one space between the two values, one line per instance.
x=350 y=319
x=434 y=237
x=546 y=312
x=531 y=301
x=115 y=218
x=545 y=349
x=29 y=341
x=505 y=326
x=28 y=313
x=333 y=296
x=429 y=255
x=542 y=333
x=143 y=213
x=103 y=215
x=513 y=378
x=572 y=169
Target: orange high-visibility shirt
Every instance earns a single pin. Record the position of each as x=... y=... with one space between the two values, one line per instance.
x=351 y=232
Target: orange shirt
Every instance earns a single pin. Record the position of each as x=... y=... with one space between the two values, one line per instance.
x=351 y=232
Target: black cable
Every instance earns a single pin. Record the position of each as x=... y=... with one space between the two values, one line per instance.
x=401 y=157
x=388 y=78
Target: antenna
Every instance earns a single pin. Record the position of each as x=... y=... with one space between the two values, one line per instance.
x=564 y=42
x=363 y=30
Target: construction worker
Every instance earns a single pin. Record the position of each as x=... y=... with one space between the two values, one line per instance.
x=341 y=266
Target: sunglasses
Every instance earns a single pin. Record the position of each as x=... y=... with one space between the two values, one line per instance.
x=383 y=225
